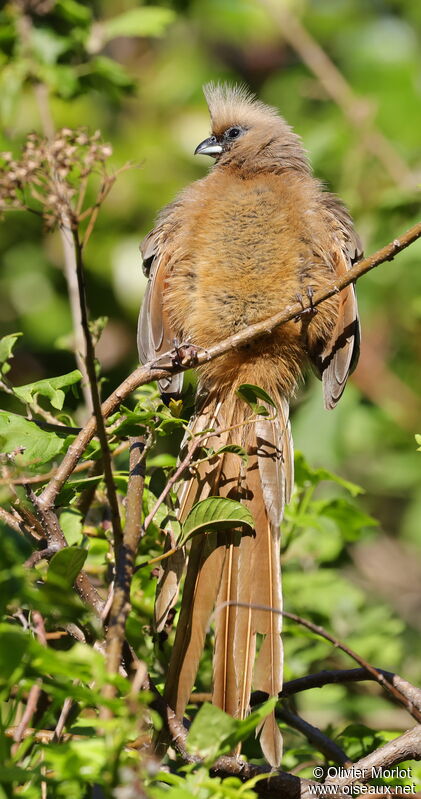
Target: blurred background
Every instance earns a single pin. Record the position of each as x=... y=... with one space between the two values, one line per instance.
x=346 y=74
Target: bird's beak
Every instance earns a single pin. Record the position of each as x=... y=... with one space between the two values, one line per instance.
x=209 y=147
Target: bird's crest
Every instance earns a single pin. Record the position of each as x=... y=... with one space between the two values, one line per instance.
x=235 y=105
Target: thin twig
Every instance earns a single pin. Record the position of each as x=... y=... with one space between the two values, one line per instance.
x=329 y=677
x=96 y=402
x=56 y=540
x=31 y=706
x=281 y=783
x=10 y=520
x=319 y=739
x=406 y=747
x=67 y=706
x=315 y=628
x=86 y=496
x=127 y=555
x=376 y=674
x=35 y=691
x=44 y=478
x=42 y=98
x=152 y=371
x=196 y=443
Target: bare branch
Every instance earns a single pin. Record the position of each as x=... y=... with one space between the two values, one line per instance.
x=377 y=675
x=319 y=739
x=406 y=747
x=35 y=691
x=127 y=555
x=155 y=371
x=96 y=402
x=196 y=443
x=10 y=520
x=79 y=342
x=56 y=540
x=339 y=676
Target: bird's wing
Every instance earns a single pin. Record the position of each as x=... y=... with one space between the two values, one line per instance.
x=154 y=334
x=338 y=358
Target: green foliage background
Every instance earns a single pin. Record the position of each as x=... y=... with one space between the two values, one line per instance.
x=135 y=72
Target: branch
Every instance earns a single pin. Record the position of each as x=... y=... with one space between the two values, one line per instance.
x=79 y=343
x=96 y=402
x=42 y=99
x=10 y=520
x=338 y=676
x=281 y=783
x=35 y=691
x=120 y=607
x=153 y=371
x=197 y=442
x=56 y=540
x=375 y=673
x=322 y=742
x=406 y=747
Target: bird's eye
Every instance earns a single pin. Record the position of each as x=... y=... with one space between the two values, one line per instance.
x=232 y=133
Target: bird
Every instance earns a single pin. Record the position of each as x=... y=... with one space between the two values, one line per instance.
x=233 y=248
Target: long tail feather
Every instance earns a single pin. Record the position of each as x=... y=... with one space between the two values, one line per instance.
x=238 y=574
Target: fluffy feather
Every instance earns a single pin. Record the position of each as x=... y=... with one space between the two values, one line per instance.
x=231 y=250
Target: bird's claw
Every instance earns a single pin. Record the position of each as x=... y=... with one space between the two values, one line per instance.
x=185 y=353
x=308 y=311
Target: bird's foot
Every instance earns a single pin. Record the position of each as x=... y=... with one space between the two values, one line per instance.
x=185 y=353
x=310 y=310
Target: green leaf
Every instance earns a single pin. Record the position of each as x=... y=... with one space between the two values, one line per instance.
x=163 y=460
x=62 y=79
x=13 y=774
x=251 y=394
x=418 y=441
x=350 y=519
x=133 y=422
x=51 y=388
x=214 y=733
x=35 y=446
x=305 y=474
x=215 y=512
x=14 y=642
x=359 y=740
x=147 y=21
x=104 y=73
x=66 y=564
x=6 y=351
x=74 y=12
x=47 y=45
x=12 y=78
x=235 y=449
x=71 y=522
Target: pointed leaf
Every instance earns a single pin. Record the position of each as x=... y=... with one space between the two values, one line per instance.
x=214 y=733
x=252 y=394
x=51 y=388
x=66 y=564
x=215 y=512
x=36 y=446
x=235 y=449
x=305 y=474
x=6 y=350
x=138 y=22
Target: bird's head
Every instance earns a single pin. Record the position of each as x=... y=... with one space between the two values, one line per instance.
x=249 y=135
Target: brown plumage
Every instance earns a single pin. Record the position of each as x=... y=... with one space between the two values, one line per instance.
x=232 y=249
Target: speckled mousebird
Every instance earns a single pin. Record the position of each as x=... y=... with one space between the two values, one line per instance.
x=232 y=249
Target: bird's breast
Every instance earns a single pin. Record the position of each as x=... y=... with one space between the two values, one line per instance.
x=241 y=263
